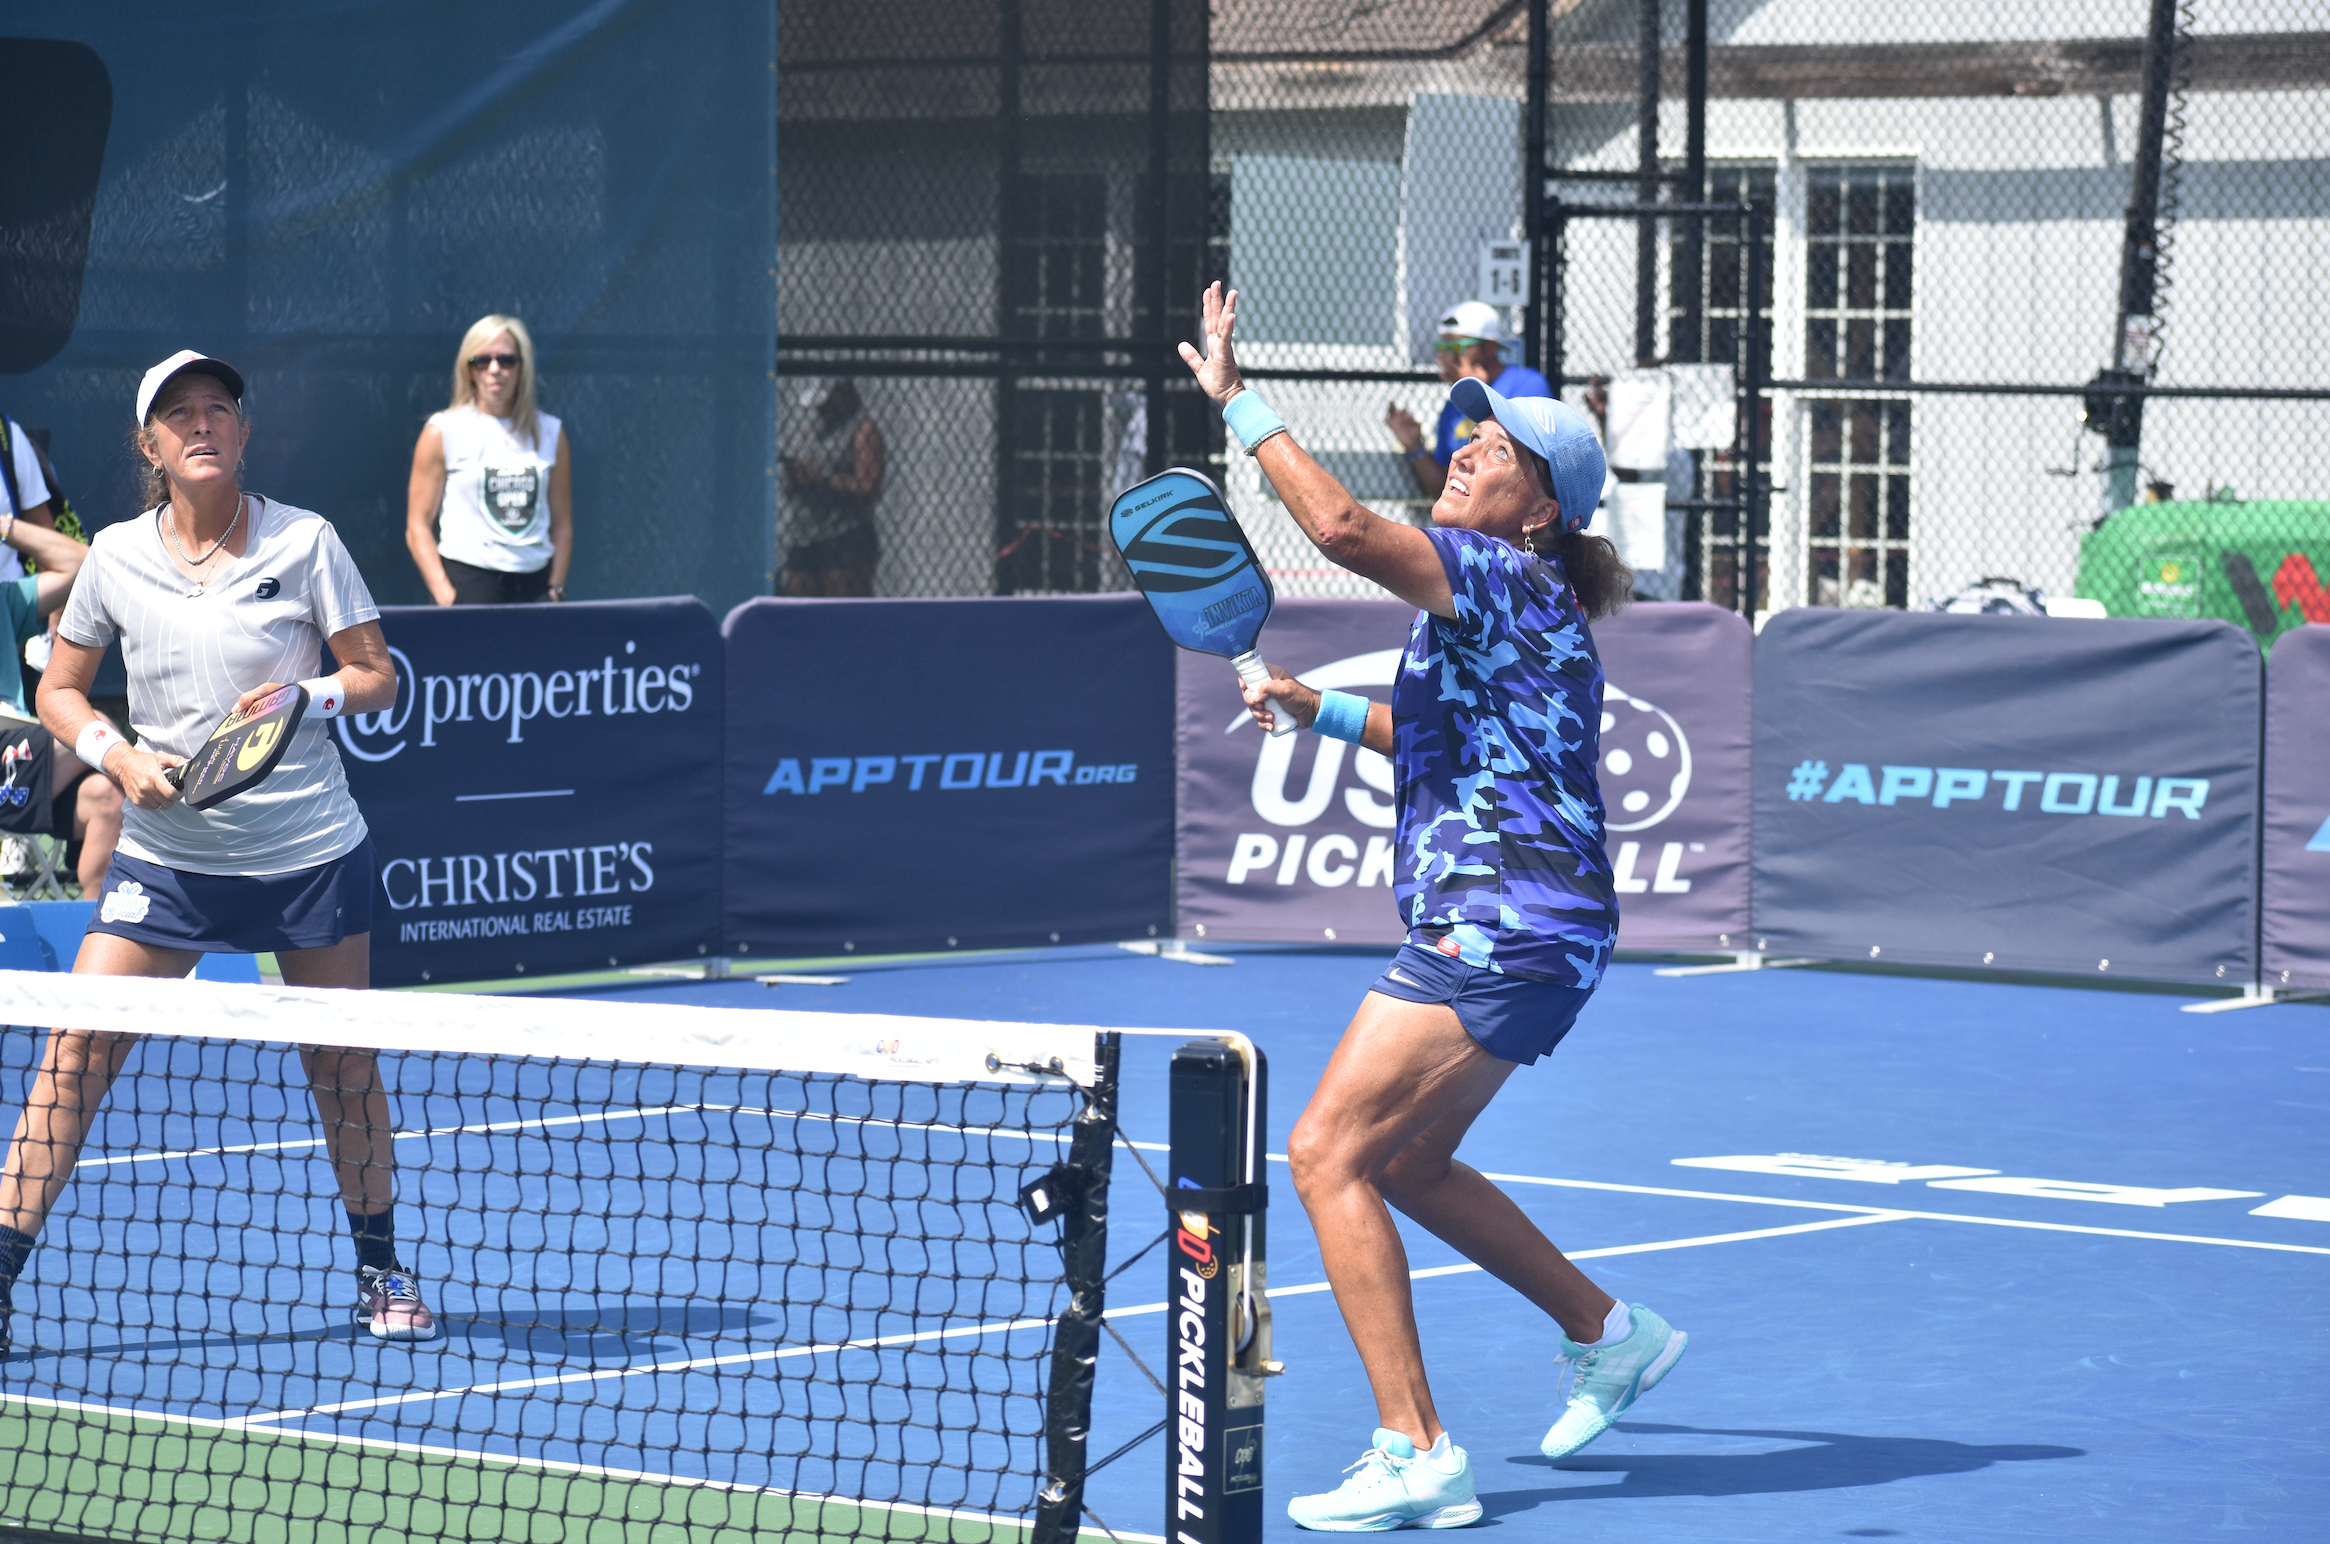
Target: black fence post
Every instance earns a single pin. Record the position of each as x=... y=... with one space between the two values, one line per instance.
x=1007 y=57
x=1533 y=191
x=1752 y=388
x=1161 y=220
x=1646 y=156
x=1687 y=343
x=1217 y=1332
x=1076 y=1336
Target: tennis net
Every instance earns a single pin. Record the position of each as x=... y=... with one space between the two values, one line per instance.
x=693 y=1273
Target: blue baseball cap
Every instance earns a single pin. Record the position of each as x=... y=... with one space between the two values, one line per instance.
x=1556 y=431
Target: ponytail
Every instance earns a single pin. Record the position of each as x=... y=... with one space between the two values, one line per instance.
x=1598 y=575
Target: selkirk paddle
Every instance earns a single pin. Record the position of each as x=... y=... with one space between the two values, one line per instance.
x=1198 y=572
x=242 y=750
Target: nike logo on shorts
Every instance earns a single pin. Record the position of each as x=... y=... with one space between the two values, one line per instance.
x=1395 y=975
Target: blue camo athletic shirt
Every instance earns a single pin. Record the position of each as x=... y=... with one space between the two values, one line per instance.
x=1497 y=721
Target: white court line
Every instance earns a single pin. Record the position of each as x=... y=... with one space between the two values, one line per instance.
x=545 y=1465
x=600 y=1375
x=1466 y=1269
x=605 y=1374
x=538 y=793
x=1896 y=1211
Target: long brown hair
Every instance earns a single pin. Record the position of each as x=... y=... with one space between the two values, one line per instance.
x=1598 y=575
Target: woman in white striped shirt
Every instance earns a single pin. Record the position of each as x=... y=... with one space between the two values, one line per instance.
x=218 y=597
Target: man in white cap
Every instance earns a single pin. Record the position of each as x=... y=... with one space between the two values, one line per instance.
x=1471 y=345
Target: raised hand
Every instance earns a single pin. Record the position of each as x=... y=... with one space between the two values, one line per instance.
x=1217 y=368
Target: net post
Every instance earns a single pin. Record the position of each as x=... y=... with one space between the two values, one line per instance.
x=1217 y=1337
x=1076 y=1336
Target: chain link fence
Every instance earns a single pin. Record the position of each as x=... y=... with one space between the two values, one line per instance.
x=1865 y=323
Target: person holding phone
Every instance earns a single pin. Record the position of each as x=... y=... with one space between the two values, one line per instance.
x=489 y=511
x=220 y=597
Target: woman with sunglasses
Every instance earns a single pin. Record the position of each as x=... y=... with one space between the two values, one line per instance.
x=489 y=516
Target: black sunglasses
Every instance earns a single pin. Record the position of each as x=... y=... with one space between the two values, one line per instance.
x=506 y=361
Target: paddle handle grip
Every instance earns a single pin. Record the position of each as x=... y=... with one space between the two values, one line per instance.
x=1253 y=672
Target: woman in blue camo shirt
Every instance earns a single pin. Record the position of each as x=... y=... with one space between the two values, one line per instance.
x=1501 y=878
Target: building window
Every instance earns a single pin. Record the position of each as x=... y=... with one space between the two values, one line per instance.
x=1860 y=229
x=1858 y=502
x=1736 y=329
x=1055 y=256
x=1052 y=543
x=1859 y=226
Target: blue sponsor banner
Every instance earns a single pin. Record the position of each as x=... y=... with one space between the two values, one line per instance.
x=931 y=774
x=2297 y=810
x=544 y=796
x=2020 y=793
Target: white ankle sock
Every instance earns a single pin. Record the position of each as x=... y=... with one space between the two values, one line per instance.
x=1616 y=1327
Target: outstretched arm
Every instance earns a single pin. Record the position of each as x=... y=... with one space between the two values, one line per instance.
x=1391 y=552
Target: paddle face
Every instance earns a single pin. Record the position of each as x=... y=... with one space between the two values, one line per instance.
x=243 y=750
x=1191 y=561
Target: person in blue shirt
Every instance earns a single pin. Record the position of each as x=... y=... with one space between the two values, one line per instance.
x=1471 y=347
x=44 y=788
x=1494 y=732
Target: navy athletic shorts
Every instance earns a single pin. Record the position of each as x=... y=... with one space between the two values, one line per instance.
x=1513 y=1018
x=310 y=908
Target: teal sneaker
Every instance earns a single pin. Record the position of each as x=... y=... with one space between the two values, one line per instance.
x=1601 y=1383
x=1394 y=1486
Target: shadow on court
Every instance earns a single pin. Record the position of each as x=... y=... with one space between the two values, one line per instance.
x=1826 y=1461
x=585 y=1334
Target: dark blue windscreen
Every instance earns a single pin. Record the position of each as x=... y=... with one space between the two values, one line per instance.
x=1192 y=562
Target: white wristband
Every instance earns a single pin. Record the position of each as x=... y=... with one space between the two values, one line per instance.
x=94 y=741
x=325 y=698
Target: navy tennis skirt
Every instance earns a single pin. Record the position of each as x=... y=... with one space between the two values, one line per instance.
x=310 y=908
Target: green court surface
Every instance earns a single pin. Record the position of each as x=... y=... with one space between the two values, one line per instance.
x=102 y=1473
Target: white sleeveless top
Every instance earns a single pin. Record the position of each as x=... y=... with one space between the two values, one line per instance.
x=496 y=512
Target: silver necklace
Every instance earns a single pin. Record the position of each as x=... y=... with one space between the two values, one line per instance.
x=214 y=546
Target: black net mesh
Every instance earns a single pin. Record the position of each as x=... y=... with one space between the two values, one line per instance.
x=738 y=1304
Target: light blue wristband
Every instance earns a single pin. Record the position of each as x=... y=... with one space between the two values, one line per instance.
x=1342 y=716
x=1251 y=419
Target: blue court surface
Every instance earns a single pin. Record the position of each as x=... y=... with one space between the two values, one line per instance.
x=1959 y=1260
x=1868 y=1359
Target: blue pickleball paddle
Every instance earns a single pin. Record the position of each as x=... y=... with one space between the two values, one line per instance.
x=1196 y=569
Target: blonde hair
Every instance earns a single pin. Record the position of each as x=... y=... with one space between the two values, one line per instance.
x=481 y=332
